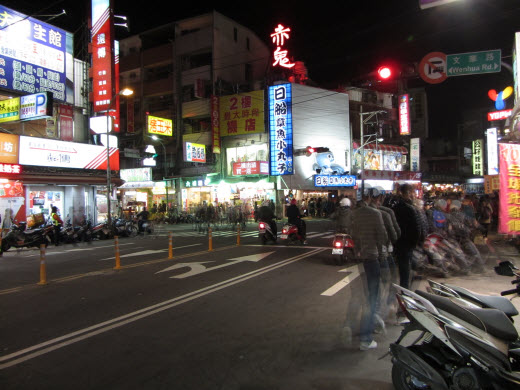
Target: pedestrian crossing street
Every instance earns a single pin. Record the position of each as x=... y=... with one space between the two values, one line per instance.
x=229 y=233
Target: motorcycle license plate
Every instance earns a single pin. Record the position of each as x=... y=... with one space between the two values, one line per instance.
x=284 y=236
x=261 y=231
x=337 y=251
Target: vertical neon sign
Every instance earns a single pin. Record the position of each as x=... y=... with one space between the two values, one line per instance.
x=280 y=130
x=404 y=115
x=279 y=36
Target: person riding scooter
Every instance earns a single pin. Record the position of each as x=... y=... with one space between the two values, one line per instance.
x=343 y=216
x=142 y=218
x=295 y=218
x=266 y=214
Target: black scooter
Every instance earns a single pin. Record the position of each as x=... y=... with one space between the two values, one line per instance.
x=19 y=237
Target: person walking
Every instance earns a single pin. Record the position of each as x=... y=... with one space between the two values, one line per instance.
x=485 y=216
x=386 y=260
x=369 y=235
x=410 y=225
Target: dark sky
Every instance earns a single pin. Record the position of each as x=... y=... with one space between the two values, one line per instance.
x=339 y=41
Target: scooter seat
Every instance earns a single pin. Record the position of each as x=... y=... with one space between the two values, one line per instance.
x=493 y=321
x=493 y=302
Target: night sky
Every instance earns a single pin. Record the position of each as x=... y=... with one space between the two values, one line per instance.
x=341 y=41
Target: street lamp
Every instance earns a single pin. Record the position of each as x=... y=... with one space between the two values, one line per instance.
x=155 y=138
x=124 y=92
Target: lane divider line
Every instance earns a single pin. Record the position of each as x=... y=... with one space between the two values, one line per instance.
x=34 y=351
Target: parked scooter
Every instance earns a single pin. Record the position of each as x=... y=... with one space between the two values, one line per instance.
x=19 y=237
x=459 y=346
x=474 y=299
x=101 y=231
x=267 y=232
x=291 y=235
x=343 y=248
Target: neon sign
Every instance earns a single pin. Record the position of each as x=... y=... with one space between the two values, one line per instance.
x=499 y=97
x=281 y=129
x=279 y=36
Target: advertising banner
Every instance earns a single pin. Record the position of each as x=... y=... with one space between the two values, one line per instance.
x=478 y=157
x=251 y=168
x=33 y=55
x=242 y=113
x=102 y=55
x=404 y=115
x=334 y=180
x=491 y=183
x=509 y=206
x=415 y=154
x=492 y=151
x=160 y=126
x=9 y=148
x=215 y=123
x=281 y=130
x=194 y=152
x=52 y=153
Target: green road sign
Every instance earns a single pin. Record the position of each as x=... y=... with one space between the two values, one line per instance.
x=479 y=62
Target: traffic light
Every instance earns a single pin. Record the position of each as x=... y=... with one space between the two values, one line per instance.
x=310 y=150
x=384 y=72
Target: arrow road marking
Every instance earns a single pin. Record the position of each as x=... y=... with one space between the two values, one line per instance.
x=48 y=346
x=198 y=267
x=353 y=271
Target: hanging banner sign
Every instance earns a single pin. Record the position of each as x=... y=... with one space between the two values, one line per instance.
x=404 y=115
x=215 y=123
x=509 y=206
x=251 y=168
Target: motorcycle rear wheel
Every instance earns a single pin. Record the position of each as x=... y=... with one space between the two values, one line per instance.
x=402 y=379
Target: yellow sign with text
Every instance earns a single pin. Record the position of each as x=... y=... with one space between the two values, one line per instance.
x=242 y=113
x=10 y=110
x=160 y=126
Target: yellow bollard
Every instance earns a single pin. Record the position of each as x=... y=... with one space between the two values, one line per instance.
x=210 y=237
x=170 y=246
x=118 y=259
x=43 y=271
x=238 y=235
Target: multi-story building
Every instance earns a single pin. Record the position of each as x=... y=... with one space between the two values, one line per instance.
x=174 y=70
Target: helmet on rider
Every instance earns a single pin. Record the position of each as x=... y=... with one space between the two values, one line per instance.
x=345 y=202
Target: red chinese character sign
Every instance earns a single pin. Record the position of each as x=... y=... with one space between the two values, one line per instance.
x=279 y=36
x=509 y=208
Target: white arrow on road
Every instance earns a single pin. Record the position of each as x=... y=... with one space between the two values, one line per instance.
x=198 y=267
x=148 y=252
x=195 y=268
x=353 y=271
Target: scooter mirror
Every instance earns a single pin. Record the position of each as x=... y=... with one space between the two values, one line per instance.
x=505 y=268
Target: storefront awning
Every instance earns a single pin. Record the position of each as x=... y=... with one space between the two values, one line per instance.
x=67 y=180
x=383 y=147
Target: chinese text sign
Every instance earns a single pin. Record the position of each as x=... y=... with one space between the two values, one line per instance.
x=509 y=207
x=280 y=130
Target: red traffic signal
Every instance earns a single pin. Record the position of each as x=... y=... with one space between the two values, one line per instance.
x=310 y=150
x=384 y=72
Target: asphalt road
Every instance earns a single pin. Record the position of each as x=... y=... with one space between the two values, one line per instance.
x=246 y=316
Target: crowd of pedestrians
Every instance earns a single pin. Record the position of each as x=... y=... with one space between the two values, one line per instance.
x=390 y=232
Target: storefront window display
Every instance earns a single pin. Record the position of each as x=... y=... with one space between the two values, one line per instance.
x=252 y=152
x=43 y=201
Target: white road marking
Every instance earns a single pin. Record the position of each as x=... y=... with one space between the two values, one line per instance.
x=82 y=334
x=354 y=272
x=148 y=252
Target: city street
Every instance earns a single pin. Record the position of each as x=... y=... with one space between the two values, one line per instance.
x=243 y=316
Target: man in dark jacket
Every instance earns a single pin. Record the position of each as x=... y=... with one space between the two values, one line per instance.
x=370 y=236
x=409 y=223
